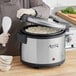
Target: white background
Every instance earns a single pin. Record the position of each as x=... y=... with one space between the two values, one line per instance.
x=59 y=3
x=55 y=3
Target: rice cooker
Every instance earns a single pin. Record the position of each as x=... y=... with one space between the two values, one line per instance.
x=41 y=50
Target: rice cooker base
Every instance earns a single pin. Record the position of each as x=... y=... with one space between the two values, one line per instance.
x=57 y=49
x=42 y=65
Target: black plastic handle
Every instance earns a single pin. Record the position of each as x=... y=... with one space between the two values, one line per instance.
x=22 y=37
x=24 y=18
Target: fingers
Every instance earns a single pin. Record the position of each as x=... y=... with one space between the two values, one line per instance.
x=5 y=34
x=4 y=37
x=5 y=40
x=20 y=12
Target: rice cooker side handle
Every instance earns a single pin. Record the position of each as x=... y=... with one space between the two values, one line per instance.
x=24 y=18
x=22 y=38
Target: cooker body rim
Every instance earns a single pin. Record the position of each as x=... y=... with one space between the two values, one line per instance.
x=42 y=36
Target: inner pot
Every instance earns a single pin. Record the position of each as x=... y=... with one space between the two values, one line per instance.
x=57 y=32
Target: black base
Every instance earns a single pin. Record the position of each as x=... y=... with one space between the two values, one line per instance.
x=42 y=65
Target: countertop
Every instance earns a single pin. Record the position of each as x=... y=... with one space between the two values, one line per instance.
x=66 y=69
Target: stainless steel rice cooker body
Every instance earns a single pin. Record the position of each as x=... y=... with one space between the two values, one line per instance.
x=40 y=50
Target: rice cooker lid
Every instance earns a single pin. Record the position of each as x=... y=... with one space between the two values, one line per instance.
x=60 y=32
x=36 y=20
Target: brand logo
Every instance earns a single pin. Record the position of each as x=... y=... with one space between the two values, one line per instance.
x=54 y=46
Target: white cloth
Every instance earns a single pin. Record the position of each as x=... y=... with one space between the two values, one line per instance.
x=5 y=62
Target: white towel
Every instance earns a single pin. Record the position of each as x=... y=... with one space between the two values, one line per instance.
x=5 y=62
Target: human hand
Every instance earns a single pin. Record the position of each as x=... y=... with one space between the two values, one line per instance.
x=22 y=11
x=4 y=37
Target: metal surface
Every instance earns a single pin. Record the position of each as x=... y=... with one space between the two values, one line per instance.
x=71 y=38
x=43 y=51
x=46 y=23
x=36 y=20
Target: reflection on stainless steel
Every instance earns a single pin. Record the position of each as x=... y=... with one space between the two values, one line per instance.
x=43 y=22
